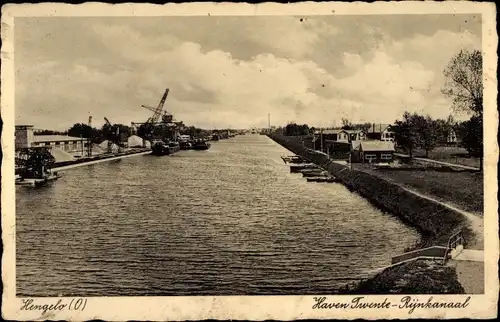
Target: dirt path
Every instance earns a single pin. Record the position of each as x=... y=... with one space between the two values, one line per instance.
x=476 y=222
x=456 y=165
x=470 y=275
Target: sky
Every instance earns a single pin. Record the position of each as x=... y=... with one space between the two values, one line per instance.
x=232 y=71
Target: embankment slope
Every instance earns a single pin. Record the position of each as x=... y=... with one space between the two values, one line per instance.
x=435 y=222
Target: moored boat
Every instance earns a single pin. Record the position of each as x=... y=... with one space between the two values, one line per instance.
x=185 y=145
x=37 y=182
x=201 y=145
x=162 y=148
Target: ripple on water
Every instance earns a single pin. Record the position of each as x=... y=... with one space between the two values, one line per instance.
x=228 y=221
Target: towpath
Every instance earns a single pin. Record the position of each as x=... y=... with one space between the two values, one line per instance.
x=468 y=263
x=476 y=220
x=469 y=266
x=438 y=162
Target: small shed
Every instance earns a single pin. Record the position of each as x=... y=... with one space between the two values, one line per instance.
x=373 y=151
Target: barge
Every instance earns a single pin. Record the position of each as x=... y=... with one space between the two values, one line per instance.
x=37 y=182
x=201 y=145
x=162 y=148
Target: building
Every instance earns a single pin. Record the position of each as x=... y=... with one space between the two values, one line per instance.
x=354 y=135
x=25 y=138
x=381 y=132
x=372 y=151
x=63 y=142
x=337 y=143
x=332 y=136
x=451 y=138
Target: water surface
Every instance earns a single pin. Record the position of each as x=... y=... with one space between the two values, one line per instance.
x=228 y=221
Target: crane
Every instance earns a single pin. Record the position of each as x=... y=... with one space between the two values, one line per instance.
x=158 y=111
x=113 y=137
x=148 y=127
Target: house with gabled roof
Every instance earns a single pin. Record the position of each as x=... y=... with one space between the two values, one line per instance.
x=381 y=132
x=372 y=151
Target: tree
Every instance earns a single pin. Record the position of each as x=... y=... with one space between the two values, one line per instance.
x=464 y=84
x=117 y=133
x=442 y=129
x=406 y=134
x=292 y=129
x=464 y=81
x=80 y=130
x=471 y=133
x=346 y=124
x=427 y=130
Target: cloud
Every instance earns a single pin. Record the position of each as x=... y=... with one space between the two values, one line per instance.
x=215 y=85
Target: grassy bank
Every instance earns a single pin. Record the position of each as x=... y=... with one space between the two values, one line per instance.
x=463 y=189
x=417 y=277
x=435 y=222
x=450 y=154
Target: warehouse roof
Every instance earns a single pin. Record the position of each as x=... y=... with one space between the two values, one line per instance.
x=55 y=138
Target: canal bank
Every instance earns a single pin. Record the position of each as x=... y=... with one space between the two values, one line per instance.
x=61 y=166
x=434 y=221
x=64 y=165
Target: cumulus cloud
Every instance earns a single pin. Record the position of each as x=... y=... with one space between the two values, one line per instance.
x=220 y=87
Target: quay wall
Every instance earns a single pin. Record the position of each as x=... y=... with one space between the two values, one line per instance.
x=435 y=222
x=94 y=159
x=98 y=158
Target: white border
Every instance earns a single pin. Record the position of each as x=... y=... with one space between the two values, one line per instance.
x=248 y=307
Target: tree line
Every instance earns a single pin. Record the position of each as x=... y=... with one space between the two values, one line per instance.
x=415 y=131
x=463 y=85
x=120 y=132
x=97 y=135
x=294 y=129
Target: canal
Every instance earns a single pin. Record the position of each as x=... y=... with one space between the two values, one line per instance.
x=228 y=221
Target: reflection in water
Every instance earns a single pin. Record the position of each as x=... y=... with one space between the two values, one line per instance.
x=228 y=221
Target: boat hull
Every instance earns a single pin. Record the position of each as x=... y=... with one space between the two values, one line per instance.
x=200 y=147
x=186 y=146
x=162 y=150
x=33 y=182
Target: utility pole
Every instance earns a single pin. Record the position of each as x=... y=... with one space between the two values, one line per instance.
x=83 y=144
x=321 y=138
x=89 y=140
x=269 y=121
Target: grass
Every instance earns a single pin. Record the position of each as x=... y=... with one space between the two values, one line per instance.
x=435 y=222
x=463 y=189
x=450 y=154
x=417 y=277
